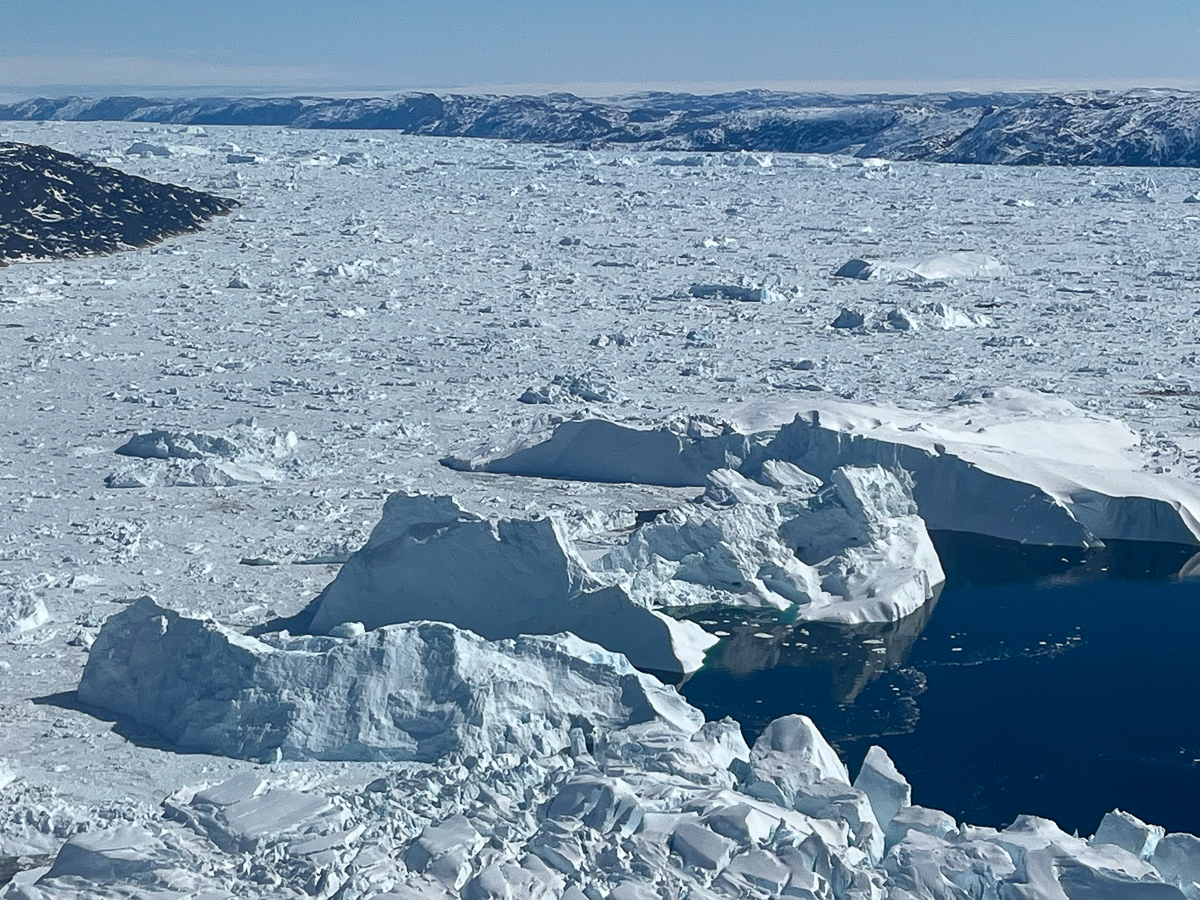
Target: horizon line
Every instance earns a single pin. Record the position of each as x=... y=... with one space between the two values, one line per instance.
x=601 y=90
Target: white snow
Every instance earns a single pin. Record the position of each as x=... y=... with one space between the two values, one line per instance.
x=380 y=320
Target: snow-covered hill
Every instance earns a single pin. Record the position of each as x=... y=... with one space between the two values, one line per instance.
x=1132 y=128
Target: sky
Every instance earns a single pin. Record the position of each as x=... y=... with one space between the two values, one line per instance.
x=594 y=48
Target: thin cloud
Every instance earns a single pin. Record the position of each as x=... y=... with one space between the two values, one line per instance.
x=45 y=71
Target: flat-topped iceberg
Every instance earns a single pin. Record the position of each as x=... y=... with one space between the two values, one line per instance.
x=1007 y=464
x=677 y=453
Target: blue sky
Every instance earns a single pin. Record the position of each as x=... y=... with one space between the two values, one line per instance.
x=375 y=45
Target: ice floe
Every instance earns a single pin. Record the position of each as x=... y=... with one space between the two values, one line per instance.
x=21 y=610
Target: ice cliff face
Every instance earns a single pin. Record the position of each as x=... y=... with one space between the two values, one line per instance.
x=405 y=692
x=1132 y=128
x=53 y=204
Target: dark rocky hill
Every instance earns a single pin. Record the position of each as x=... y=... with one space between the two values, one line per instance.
x=53 y=204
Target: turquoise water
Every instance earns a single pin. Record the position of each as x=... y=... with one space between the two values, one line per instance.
x=1057 y=683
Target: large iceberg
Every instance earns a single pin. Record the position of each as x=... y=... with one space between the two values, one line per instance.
x=409 y=692
x=1008 y=464
x=428 y=558
x=851 y=551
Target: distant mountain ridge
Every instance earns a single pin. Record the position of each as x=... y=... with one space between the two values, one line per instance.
x=1130 y=128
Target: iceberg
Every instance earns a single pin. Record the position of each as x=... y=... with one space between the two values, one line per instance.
x=677 y=453
x=428 y=558
x=941 y=267
x=1008 y=464
x=418 y=691
x=852 y=552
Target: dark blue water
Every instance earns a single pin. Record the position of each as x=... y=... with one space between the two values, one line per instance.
x=1057 y=683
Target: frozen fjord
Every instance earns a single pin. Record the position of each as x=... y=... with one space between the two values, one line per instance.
x=388 y=319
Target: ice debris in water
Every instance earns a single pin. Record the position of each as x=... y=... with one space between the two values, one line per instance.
x=533 y=767
x=537 y=767
x=935 y=316
x=20 y=611
x=589 y=388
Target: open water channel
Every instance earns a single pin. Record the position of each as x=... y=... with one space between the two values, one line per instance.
x=1054 y=682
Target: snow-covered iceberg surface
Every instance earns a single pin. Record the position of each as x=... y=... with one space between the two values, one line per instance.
x=407 y=692
x=1008 y=464
x=853 y=551
x=428 y=558
x=1012 y=465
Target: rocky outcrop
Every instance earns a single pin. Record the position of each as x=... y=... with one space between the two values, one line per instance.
x=53 y=204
